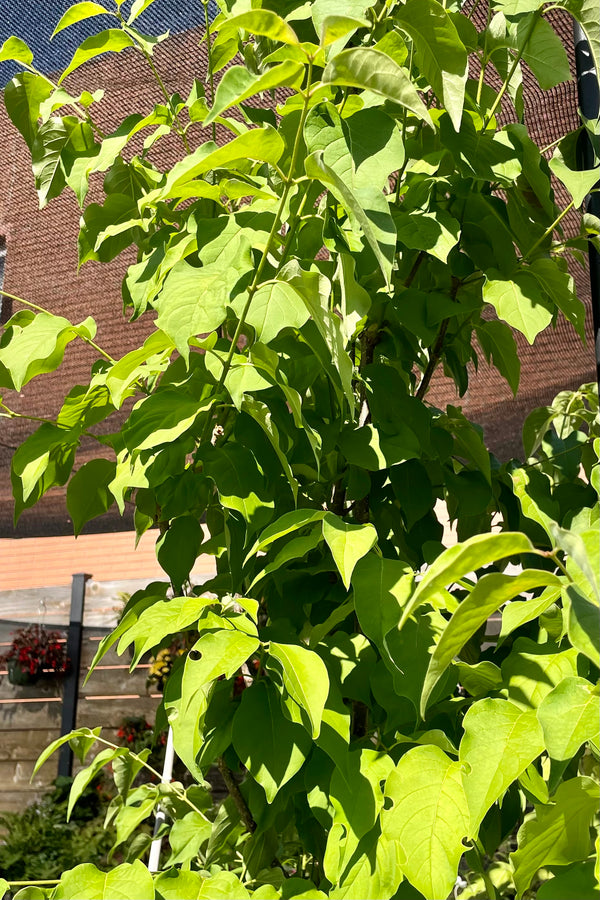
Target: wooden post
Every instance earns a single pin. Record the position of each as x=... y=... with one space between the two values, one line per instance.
x=71 y=682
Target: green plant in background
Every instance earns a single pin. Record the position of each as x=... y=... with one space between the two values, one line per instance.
x=301 y=283
x=38 y=843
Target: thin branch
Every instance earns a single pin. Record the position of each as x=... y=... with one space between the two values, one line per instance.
x=234 y=793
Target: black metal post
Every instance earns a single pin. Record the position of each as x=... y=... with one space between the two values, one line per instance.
x=71 y=682
x=588 y=91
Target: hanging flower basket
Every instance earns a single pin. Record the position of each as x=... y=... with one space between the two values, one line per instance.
x=35 y=653
x=21 y=675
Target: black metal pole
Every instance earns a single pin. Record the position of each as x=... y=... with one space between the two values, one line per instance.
x=71 y=682
x=588 y=91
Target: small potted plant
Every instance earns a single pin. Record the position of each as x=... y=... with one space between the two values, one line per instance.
x=35 y=652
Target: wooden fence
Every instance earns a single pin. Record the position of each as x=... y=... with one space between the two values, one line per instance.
x=30 y=717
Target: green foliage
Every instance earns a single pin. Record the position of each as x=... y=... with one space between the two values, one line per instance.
x=306 y=278
x=38 y=843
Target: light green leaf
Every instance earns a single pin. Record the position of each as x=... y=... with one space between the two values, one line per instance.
x=582 y=623
x=439 y=52
x=499 y=742
x=186 y=837
x=429 y=818
x=86 y=776
x=532 y=670
x=283 y=745
x=381 y=589
x=569 y=716
x=53 y=747
x=161 y=418
x=213 y=655
x=559 y=285
x=151 y=358
x=520 y=302
x=276 y=305
x=367 y=208
x=138 y=806
x=112 y=40
x=177 y=883
x=23 y=97
x=137 y=8
x=521 y=611
x=263 y=144
x=129 y=881
x=16 y=50
x=237 y=84
x=292 y=521
x=436 y=232
x=338 y=26
x=479 y=678
x=265 y=22
x=78 y=12
x=488 y=595
x=409 y=654
x=578 y=184
x=348 y=543
x=305 y=679
x=559 y=833
x=468 y=556
x=194 y=301
x=37 y=343
x=87 y=494
x=371 y=70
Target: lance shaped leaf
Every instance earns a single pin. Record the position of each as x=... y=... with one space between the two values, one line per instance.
x=559 y=833
x=428 y=819
x=237 y=84
x=263 y=144
x=220 y=653
x=129 y=881
x=161 y=418
x=499 y=346
x=516 y=614
x=162 y=618
x=305 y=679
x=468 y=556
x=348 y=543
x=265 y=22
x=439 y=52
x=381 y=589
x=499 y=742
x=582 y=623
x=283 y=745
x=488 y=595
x=367 y=208
x=112 y=40
x=570 y=715
x=371 y=70
x=78 y=12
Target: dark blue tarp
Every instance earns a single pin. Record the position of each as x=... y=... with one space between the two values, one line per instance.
x=35 y=20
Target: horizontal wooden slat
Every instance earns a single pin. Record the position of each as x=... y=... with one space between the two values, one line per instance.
x=27 y=744
x=14 y=801
x=17 y=775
